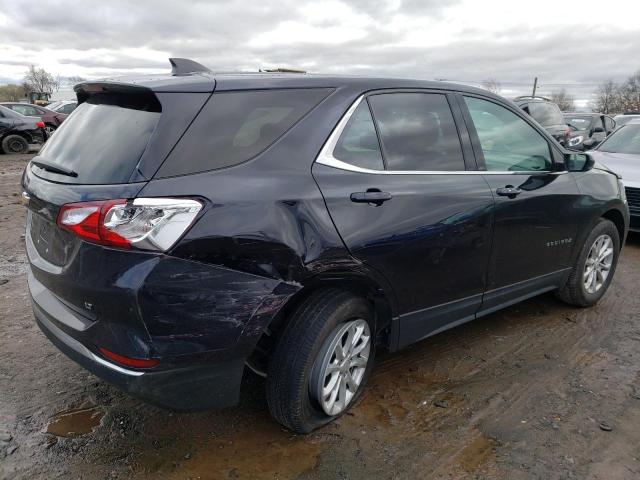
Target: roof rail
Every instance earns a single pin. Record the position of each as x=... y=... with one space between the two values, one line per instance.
x=532 y=96
x=183 y=66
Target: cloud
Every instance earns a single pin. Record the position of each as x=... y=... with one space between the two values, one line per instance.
x=463 y=40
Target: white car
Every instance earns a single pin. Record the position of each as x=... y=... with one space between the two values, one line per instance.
x=621 y=153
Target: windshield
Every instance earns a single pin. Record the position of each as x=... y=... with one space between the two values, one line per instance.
x=578 y=123
x=54 y=105
x=623 y=140
x=104 y=138
x=546 y=113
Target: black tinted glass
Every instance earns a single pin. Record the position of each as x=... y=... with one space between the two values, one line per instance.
x=104 y=138
x=417 y=131
x=234 y=127
x=358 y=145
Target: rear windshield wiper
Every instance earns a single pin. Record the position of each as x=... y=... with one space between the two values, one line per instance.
x=50 y=167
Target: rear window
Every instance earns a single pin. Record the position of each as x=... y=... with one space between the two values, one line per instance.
x=104 y=138
x=578 y=123
x=234 y=127
x=546 y=113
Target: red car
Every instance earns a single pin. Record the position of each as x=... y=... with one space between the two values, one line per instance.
x=51 y=119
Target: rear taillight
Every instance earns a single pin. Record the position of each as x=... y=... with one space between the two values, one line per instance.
x=39 y=124
x=144 y=223
x=128 y=361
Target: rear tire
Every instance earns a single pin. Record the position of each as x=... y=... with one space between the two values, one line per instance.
x=591 y=275
x=304 y=349
x=15 y=144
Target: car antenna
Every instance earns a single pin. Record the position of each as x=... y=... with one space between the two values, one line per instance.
x=183 y=66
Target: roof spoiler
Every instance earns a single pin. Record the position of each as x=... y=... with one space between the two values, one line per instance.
x=183 y=66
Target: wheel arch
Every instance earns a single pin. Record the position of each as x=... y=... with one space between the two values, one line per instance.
x=359 y=284
x=380 y=298
x=616 y=216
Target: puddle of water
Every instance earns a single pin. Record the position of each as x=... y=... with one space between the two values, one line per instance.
x=75 y=422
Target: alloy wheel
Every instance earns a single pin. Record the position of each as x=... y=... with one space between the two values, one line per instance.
x=340 y=366
x=598 y=264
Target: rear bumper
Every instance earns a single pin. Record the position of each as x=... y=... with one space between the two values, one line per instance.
x=192 y=387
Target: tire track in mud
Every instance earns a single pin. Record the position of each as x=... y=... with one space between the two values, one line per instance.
x=542 y=340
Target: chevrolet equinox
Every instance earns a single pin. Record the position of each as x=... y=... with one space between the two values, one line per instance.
x=182 y=227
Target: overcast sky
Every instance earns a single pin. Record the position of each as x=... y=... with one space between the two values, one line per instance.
x=565 y=43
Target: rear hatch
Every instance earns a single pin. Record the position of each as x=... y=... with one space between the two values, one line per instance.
x=108 y=148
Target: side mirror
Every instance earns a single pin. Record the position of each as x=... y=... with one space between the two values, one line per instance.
x=579 y=162
x=598 y=130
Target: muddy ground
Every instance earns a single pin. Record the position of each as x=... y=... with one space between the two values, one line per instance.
x=540 y=390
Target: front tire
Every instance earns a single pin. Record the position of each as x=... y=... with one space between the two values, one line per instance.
x=594 y=268
x=322 y=360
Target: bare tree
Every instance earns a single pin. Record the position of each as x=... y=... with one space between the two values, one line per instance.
x=607 y=98
x=40 y=81
x=492 y=85
x=630 y=94
x=565 y=101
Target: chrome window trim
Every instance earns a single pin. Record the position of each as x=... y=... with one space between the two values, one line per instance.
x=325 y=157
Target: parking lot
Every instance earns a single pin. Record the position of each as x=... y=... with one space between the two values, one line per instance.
x=539 y=390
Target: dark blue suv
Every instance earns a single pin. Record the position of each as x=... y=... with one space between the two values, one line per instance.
x=182 y=227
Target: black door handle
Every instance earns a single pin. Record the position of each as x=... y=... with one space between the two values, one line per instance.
x=509 y=191
x=373 y=195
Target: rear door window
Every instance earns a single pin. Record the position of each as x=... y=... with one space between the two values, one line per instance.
x=104 y=139
x=234 y=127
x=358 y=144
x=417 y=132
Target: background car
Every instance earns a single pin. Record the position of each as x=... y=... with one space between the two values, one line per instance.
x=51 y=119
x=63 y=106
x=18 y=131
x=547 y=114
x=621 y=153
x=625 y=118
x=588 y=129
